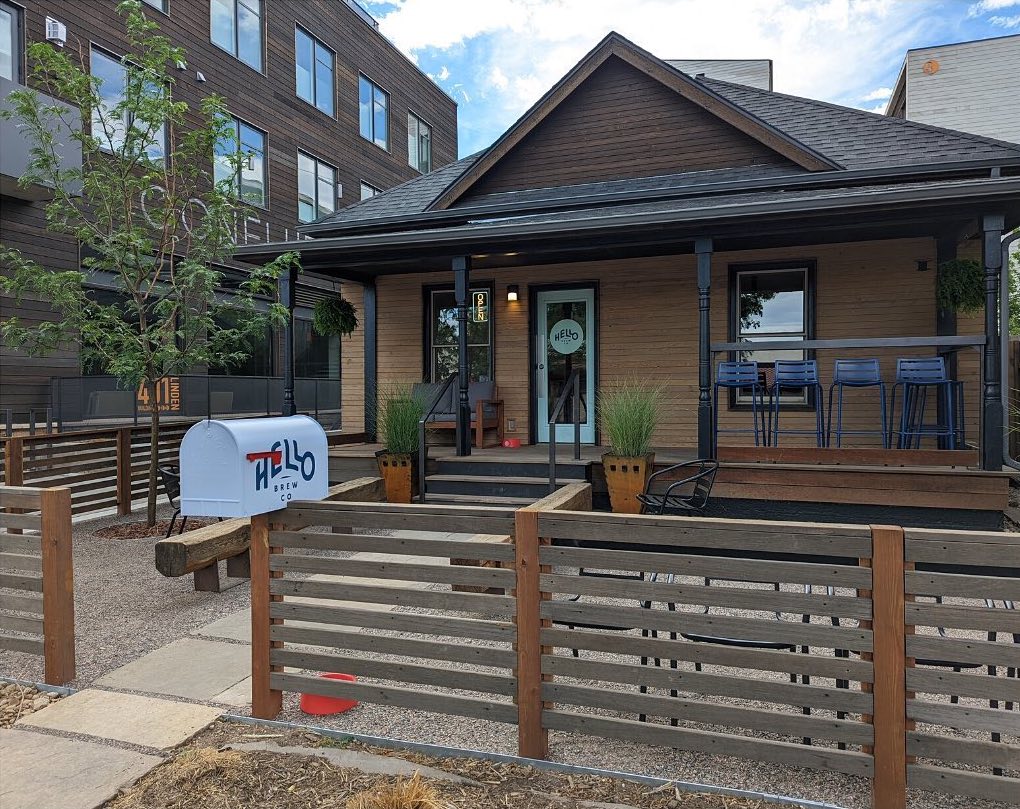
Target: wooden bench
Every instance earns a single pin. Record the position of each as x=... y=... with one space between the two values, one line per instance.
x=200 y=551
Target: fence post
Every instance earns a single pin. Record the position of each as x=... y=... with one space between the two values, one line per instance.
x=14 y=462
x=889 y=785
x=58 y=586
x=532 y=738
x=266 y=703
x=123 y=471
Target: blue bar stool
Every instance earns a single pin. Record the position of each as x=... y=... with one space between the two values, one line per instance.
x=916 y=376
x=856 y=374
x=734 y=376
x=798 y=375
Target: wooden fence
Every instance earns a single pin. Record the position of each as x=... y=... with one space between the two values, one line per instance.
x=37 y=614
x=818 y=626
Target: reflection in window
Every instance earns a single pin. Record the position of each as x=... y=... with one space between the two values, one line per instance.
x=315 y=356
x=373 y=113
x=314 y=63
x=236 y=26
x=249 y=181
x=419 y=144
x=443 y=334
x=157 y=4
x=259 y=349
x=317 y=191
x=10 y=51
x=368 y=191
x=111 y=125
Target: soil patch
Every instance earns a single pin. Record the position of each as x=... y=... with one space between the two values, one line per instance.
x=139 y=530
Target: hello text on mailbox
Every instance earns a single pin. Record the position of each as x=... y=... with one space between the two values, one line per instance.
x=282 y=467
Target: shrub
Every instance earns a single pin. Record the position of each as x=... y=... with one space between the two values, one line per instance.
x=400 y=410
x=629 y=415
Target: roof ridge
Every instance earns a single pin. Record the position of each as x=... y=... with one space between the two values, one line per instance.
x=879 y=116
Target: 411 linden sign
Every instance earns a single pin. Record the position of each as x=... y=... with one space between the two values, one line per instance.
x=167 y=392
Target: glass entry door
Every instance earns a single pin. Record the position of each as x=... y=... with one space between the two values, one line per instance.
x=565 y=341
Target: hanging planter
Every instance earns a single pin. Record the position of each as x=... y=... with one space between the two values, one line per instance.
x=334 y=316
x=960 y=286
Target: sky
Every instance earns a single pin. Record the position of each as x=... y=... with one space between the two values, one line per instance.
x=497 y=57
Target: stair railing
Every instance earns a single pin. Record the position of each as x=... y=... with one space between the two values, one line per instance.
x=422 y=448
x=572 y=386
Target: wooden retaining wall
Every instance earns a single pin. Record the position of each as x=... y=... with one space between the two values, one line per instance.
x=36 y=577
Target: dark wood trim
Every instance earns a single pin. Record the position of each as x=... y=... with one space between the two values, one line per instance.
x=426 y=324
x=371 y=370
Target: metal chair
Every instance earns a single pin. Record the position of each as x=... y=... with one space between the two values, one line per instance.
x=797 y=375
x=689 y=495
x=737 y=376
x=171 y=477
x=856 y=374
x=915 y=377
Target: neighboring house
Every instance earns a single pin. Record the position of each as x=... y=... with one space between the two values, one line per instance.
x=752 y=72
x=656 y=212
x=969 y=86
x=331 y=109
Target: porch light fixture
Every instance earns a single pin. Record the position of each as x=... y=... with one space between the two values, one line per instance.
x=922 y=265
x=512 y=292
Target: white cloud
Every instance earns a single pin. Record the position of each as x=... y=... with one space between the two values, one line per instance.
x=498 y=79
x=1005 y=22
x=984 y=6
x=444 y=73
x=878 y=94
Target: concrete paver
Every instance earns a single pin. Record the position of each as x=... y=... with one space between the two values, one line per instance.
x=236 y=626
x=40 y=770
x=145 y=721
x=190 y=667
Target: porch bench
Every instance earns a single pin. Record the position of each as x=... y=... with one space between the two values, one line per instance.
x=486 y=410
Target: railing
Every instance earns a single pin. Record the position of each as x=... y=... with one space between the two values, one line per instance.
x=422 y=433
x=571 y=387
x=35 y=547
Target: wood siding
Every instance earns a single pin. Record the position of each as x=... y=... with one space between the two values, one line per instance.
x=622 y=123
x=752 y=72
x=648 y=312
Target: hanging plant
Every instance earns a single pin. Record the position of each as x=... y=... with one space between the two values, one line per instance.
x=334 y=316
x=960 y=286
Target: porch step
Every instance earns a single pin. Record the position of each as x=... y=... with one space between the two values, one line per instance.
x=531 y=488
x=479 y=500
x=566 y=468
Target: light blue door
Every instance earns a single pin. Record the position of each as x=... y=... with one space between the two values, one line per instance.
x=565 y=341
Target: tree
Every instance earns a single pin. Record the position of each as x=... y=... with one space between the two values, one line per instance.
x=150 y=216
x=1014 y=291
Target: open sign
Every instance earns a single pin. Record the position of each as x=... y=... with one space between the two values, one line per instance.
x=566 y=336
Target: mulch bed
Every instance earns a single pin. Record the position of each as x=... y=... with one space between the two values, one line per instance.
x=203 y=775
x=139 y=530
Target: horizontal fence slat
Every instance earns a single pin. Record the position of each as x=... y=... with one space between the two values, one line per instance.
x=776 y=691
x=942 y=535
x=440 y=523
x=21 y=581
x=988 y=619
x=716 y=596
x=459 y=549
x=946 y=681
x=394 y=596
x=768 y=630
x=962 y=553
x=13 y=643
x=21 y=603
x=963 y=717
x=722 y=744
x=382 y=644
x=933 y=647
x=848 y=668
x=397 y=571
x=19 y=497
x=399 y=697
x=398 y=672
x=956 y=782
x=697 y=532
x=709 y=566
x=21 y=543
x=798 y=725
x=20 y=561
x=440 y=625
x=18 y=623
x=954 y=584
x=21 y=522
x=976 y=752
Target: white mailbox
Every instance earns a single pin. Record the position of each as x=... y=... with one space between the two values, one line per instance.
x=242 y=467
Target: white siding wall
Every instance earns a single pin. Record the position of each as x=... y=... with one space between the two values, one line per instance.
x=976 y=88
x=752 y=72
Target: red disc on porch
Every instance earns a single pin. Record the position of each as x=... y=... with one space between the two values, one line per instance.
x=512 y=443
x=318 y=705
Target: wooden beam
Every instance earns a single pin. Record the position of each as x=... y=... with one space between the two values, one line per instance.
x=532 y=738
x=58 y=586
x=266 y=702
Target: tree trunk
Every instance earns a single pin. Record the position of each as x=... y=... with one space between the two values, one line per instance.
x=150 y=514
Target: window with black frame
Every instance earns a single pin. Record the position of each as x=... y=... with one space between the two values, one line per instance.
x=444 y=330
x=315 y=356
x=10 y=42
x=259 y=351
x=772 y=305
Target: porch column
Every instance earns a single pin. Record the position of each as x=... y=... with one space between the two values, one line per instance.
x=703 y=250
x=369 y=319
x=462 y=291
x=992 y=226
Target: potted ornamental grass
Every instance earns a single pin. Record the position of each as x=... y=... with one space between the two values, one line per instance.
x=629 y=415
x=400 y=410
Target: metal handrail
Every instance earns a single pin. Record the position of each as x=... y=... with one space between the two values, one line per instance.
x=573 y=384
x=422 y=449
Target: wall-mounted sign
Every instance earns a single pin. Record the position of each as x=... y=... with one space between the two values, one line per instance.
x=168 y=395
x=480 y=307
x=566 y=336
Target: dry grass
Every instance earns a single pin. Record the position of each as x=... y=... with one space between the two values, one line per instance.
x=414 y=793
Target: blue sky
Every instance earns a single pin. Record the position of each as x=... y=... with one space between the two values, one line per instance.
x=497 y=57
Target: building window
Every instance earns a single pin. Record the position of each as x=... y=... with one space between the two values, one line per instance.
x=443 y=331
x=10 y=42
x=258 y=348
x=161 y=5
x=110 y=124
x=248 y=179
x=236 y=26
x=419 y=144
x=374 y=105
x=314 y=65
x=369 y=191
x=772 y=304
x=315 y=356
x=317 y=189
